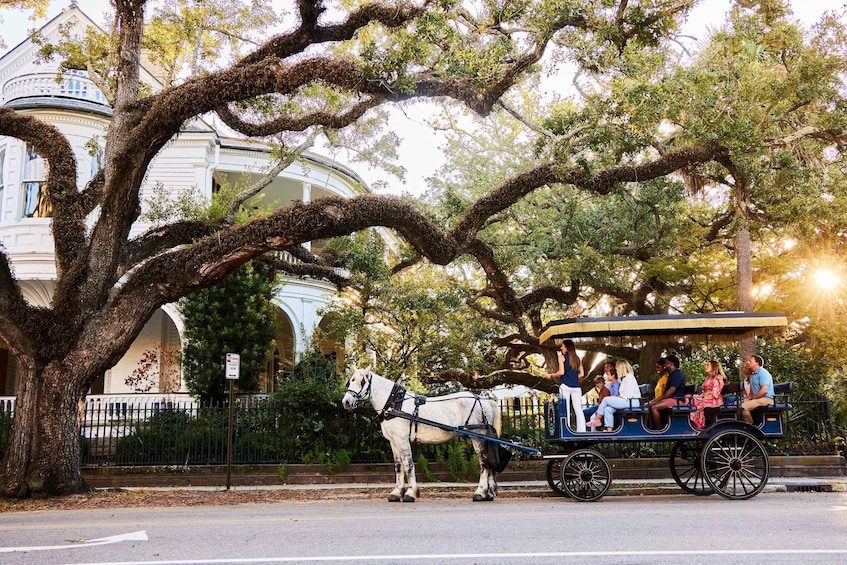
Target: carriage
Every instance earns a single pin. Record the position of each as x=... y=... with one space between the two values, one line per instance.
x=728 y=456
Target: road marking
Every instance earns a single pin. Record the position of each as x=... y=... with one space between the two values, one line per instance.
x=132 y=536
x=446 y=557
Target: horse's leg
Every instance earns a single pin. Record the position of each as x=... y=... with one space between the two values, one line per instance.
x=492 y=483
x=482 y=492
x=411 y=493
x=396 y=494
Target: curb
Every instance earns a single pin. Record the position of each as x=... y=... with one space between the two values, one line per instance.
x=525 y=489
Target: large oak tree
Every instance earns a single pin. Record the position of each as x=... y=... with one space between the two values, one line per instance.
x=327 y=70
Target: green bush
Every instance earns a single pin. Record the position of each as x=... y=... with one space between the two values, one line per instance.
x=171 y=436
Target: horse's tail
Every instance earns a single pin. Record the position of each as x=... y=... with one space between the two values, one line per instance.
x=497 y=417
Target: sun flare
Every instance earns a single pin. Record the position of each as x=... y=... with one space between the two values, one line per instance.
x=826 y=279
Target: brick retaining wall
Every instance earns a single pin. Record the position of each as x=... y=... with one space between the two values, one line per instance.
x=381 y=473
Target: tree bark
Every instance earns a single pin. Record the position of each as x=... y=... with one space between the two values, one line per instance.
x=744 y=266
x=43 y=453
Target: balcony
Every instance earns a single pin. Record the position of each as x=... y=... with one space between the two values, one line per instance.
x=71 y=90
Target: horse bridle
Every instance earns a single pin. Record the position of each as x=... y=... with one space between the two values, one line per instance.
x=364 y=392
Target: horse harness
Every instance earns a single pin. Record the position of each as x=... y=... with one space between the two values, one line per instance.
x=394 y=403
x=398 y=395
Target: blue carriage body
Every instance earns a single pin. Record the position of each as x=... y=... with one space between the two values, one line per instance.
x=631 y=424
x=727 y=456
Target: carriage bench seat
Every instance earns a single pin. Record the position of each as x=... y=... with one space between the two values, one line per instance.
x=733 y=397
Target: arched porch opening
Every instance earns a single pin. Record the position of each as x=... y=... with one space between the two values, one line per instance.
x=152 y=362
x=283 y=355
x=329 y=346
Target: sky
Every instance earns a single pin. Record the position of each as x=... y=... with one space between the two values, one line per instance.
x=420 y=148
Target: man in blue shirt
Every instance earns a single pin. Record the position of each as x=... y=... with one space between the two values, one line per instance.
x=674 y=391
x=761 y=388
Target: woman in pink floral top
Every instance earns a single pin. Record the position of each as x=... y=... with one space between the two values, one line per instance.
x=710 y=393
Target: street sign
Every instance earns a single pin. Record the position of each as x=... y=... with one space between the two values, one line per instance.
x=233 y=366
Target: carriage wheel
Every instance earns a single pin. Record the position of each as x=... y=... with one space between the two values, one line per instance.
x=735 y=464
x=686 y=470
x=586 y=475
x=554 y=476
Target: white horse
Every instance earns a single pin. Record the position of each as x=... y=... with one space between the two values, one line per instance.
x=453 y=410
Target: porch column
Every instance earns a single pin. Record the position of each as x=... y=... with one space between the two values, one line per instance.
x=307 y=197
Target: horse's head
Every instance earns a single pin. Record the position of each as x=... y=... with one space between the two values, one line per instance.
x=358 y=389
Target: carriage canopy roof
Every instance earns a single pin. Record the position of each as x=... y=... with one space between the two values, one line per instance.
x=718 y=326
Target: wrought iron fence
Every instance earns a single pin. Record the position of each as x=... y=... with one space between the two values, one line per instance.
x=186 y=433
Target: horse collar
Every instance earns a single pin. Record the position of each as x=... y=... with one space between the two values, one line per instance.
x=394 y=401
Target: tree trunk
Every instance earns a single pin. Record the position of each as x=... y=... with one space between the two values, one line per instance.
x=744 y=267
x=43 y=454
x=648 y=356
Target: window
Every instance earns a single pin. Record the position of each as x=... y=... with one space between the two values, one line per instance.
x=35 y=172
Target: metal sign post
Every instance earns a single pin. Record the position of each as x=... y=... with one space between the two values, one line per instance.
x=233 y=370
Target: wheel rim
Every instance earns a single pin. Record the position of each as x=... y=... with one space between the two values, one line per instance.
x=686 y=469
x=735 y=464
x=586 y=475
x=554 y=476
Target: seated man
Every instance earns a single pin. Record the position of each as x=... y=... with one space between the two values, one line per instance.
x=760 y=392
x=674 y=390
x=601 y=393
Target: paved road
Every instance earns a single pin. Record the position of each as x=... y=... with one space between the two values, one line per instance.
x=791 y=528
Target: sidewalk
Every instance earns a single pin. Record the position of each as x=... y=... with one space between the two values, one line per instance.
x=528 y=489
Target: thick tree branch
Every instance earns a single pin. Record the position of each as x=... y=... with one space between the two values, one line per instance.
x=299 y=123
x=559 y=295
x=60 y=187
x=309 y=32
x=603 y=182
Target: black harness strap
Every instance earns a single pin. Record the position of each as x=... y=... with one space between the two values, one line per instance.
x=394 y=401
x=477 y=401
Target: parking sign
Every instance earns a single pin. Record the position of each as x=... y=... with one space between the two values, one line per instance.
x=233 y=366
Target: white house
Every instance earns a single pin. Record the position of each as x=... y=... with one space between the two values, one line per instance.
x=199 y=159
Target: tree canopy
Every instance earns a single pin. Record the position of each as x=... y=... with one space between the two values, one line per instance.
x=741 y=231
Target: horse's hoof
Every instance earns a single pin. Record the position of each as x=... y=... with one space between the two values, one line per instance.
x=393 y=498
x=408 y=498
x=489 y=498
x=478 y=497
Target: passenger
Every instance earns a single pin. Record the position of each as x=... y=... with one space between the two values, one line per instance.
x=571 y=375
x=761 y=388
x=673 y=393
x=629 y=396
x=601 y=392
x=663 y=378
x=710 y=393
x=608 y=367
x=613 y=384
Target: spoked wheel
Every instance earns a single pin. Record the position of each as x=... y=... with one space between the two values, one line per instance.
x=554 y=476
x=735 y=464
x=686 y=470
x=586 y=475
